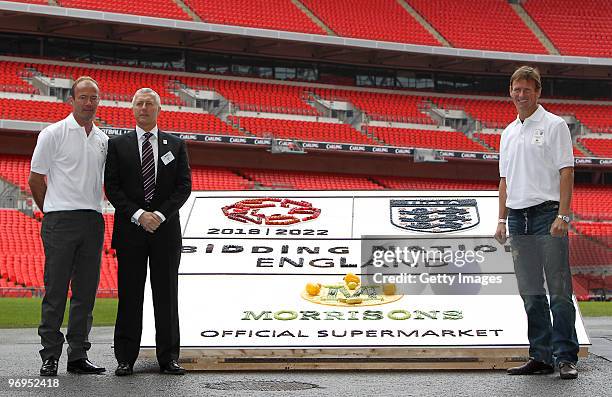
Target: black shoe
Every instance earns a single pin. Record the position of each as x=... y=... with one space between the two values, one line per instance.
x=567 y=370
x=49 y=367
x=124 y=369
x=532 y=367
x=172 y=368
x=84 y=366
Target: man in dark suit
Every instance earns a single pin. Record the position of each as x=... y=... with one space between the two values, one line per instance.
x=147 y=179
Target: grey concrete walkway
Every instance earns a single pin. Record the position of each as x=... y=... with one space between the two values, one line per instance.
x=19 y=355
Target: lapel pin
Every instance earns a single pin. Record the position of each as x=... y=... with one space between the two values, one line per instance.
x=165 y=142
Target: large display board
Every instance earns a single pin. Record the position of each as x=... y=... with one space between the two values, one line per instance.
x=266 y=270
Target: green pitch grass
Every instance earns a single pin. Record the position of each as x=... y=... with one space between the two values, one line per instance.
x=595 y=309
x=25 y=312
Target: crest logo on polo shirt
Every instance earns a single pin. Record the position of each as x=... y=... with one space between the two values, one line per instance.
x=434 y=215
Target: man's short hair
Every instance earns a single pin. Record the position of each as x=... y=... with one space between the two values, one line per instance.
x=77 y=81
x=527 y=73
x=147 y=91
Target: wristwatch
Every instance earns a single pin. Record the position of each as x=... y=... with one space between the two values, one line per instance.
x=502 y=220
x=564 y=218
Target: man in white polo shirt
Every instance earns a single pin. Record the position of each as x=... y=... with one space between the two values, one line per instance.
x=536 y=169
x=71 y=155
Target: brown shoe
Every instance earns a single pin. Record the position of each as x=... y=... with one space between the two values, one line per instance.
x=532 y=367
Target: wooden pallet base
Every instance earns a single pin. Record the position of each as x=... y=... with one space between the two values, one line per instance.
x=352 y=359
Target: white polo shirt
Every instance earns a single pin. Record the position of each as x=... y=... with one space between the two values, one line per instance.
x=73 y=163
x=531 y=154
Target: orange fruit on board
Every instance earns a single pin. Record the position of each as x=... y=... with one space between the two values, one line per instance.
x=389 y=289
x=350 y=277
x=313 y=288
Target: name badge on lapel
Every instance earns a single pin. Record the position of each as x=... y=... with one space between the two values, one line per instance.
x=167 y=158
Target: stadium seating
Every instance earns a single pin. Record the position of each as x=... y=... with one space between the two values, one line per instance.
x=22 y=255
x=405 y=183
x=12 y=109
x=575 y=28
x=491 y=113
x=585 y=251
x=169 y=121
x=210 y=178
x=16 y=109
x=302 y=130
x=382 y=20
x=499 y=113
x=600 y=147
x=493 y=141
x=479 y=24
x=444 y=140
x=598 y=118
x=115 y=84
x=21 y=251
x=309 y=180
x=153 y=8
x=592 y=202
x=385 y=107
x=12 y=76
x=266 y=14
x=42 y=2
x=257 y=97
x=15 y=169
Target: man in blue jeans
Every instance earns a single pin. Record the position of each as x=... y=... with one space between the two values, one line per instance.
x=536 y=170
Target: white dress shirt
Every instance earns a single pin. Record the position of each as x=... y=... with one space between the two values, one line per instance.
x=154 y=144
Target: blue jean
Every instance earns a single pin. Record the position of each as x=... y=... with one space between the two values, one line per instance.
x=536 y=253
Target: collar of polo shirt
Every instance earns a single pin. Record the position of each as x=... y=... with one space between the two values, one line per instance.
x=535 y=117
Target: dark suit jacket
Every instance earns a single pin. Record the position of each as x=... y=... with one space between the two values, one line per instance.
x=123 y=185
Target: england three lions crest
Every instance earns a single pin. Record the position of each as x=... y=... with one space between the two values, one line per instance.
x=434 y=215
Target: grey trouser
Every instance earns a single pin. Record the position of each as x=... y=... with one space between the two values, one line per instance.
x=73 y=249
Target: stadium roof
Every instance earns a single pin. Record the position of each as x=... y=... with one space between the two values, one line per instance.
x=133 y=29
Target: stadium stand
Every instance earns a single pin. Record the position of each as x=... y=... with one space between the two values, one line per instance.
x=380 y=106
x=21 y=251
x=382 y=20
x=117 y=84
x=405 y=183
x=592 y=202
x=169 y=121
x=257 y=97
x=304 y=130
x=484 y=25
x=121 y=117
x=42 y=2
x=12 y=76
x=210 y=178
x=445 y=140
x=266 y=14
x=493 y=140
x=33 y=110
x=491 y=113
x=600 y=147
x=575 y=28
x=15 y=169
x=587 y=252
x=309 y=180
x=154 y=8
x=598 y=118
